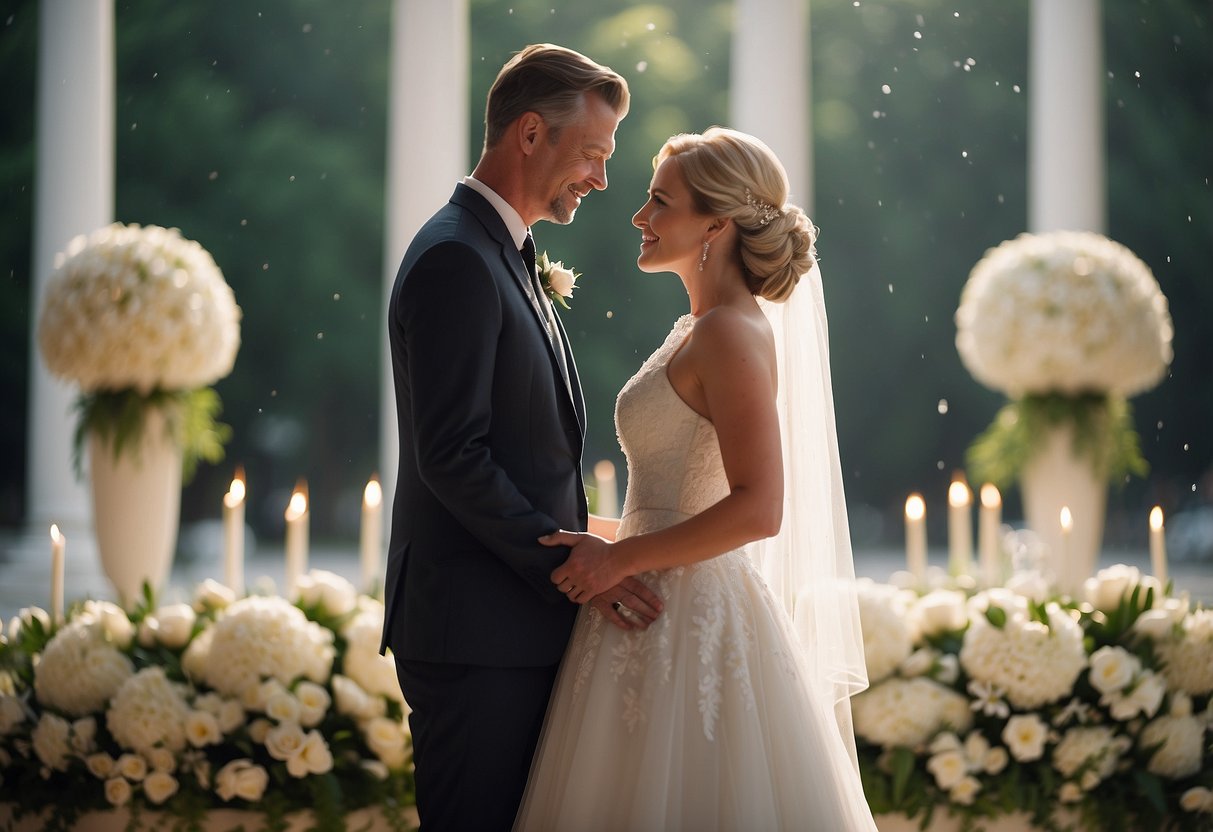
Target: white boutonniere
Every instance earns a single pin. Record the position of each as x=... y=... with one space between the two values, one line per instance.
x=558 y=280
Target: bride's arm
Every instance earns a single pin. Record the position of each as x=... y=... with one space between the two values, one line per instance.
x=604 y=527
x=731 y=362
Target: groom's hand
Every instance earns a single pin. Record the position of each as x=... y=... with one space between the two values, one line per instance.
x=629 y=605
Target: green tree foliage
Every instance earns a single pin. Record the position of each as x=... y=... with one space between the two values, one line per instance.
x=258 y=129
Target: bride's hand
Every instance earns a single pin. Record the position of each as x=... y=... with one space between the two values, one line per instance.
x=589 y=570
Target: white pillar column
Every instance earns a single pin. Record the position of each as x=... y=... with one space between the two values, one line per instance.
x=1066 y=167
x=73 y=194
x=770 y=85
x=427 y=154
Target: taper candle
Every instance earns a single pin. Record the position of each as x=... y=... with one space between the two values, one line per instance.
x=372 y=532
x=989 y=529
x=960 y=528
x=1158 y=545
x=296 y=540
x=58 y=550
x=916 y=537
x=233 y=535
x=608 y=494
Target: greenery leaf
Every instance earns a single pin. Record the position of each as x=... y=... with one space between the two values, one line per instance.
x=1103 y=432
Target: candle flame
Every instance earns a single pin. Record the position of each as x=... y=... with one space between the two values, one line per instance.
x=56 y=535
x=990 y=496
x=235 y=493
x=1156 y=518
x=1067 y=520
x=373 y=494
x=959 y=494
x=298 y=504
x=916 y=507
x=604 y=469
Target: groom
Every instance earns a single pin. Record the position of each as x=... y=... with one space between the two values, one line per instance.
x=492 y=423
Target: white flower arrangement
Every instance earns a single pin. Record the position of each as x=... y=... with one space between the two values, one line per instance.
x=138 y=316
x=1067 y=324
x=255 y=708
x=1042 y=706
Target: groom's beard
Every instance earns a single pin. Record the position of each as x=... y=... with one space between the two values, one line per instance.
x=561 y=213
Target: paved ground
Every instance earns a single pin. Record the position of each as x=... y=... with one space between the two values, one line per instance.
x=25 y=569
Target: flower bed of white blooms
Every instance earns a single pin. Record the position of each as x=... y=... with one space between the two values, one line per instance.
x=1064 y=312
x=1014 y=700
x=138 y=307
x=251 y=703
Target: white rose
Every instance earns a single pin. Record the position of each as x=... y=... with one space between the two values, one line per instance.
x=995 y=760
x=284 y=741
x=561 y=280
x=1110 y=585
x=1030 y=584
x=159 y=786
x=314 y=703
x=84 y=734
x=201 y=728
x=328 y=590
x=176 y=625
x=100 y=765
x=149 y=631
x=282 y=707
x=117 y=791
x=11 y=714
x=212 y=595
x=132 y=766
x=1025 y=735
x=24 y=617
x=259 y=729
x=1070 y=792
x=230 y=716
x=313 y=757
x=241 y=778
x=376 y=768
x=1197 y=799
x=948 y=768
x=1179 y=741
x=162 y=760
x=965 y=791
x=1112 y=668
x=113 y=620
x=940 y=611
x=387 y=738
x=948 y=669
x=918 y=663
x=51 y=741
x=352 y=700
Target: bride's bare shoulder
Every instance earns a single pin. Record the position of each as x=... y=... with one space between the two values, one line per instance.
x=733 y=329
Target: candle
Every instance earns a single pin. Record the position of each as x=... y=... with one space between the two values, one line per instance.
x=1067 y=523
x=372 y=532
x=1158 y=546
x=608 y=496
x=960 y=528
x=916 y=537
x=58 y=547
x=989 y=527
x=233 y=535
x=296 y=539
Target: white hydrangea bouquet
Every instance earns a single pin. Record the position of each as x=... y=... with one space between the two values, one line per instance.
x=254 y=704
x=139 y=317
x=1089 y=714
x=1068 y=325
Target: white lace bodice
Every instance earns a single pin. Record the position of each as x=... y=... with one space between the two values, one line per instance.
x=674 y=464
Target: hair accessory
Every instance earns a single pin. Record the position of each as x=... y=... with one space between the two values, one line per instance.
x=765 y=210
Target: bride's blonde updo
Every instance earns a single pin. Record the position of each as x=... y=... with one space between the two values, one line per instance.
x=732 y=174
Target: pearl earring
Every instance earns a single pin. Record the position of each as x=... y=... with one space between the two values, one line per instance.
x=704 y=259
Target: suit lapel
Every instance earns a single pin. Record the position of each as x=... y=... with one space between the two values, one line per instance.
x=471 y=201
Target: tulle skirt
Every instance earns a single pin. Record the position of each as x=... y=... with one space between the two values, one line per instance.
x=703 y=722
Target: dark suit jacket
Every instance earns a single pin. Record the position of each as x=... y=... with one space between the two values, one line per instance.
x=490 y=452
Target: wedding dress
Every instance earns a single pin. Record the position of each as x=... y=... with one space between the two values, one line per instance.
x=708 y=719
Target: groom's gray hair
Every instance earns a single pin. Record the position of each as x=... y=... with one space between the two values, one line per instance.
x=549 y=80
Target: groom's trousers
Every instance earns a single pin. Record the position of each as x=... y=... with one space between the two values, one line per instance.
x=474 y=733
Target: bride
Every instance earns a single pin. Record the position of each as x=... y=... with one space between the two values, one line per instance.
x=731 y=711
